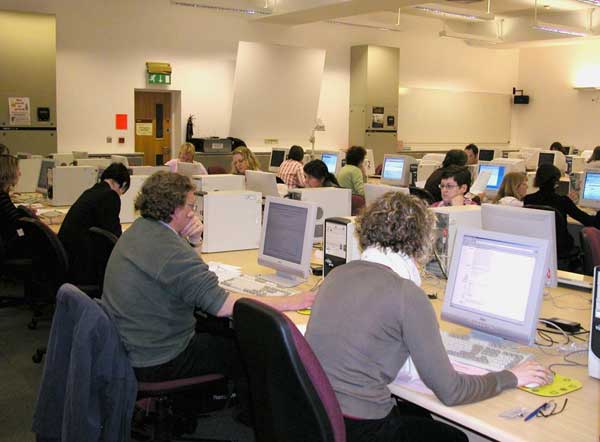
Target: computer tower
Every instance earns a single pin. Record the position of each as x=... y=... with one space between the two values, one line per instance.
x=30 y=173
x=128 y=213
x=232 y=220
x=340 y=244
x=69 y=182
x=594 y=347
x=225 y=181
x=448 y=219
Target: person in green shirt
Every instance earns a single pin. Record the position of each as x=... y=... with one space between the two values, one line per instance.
x=352 y=176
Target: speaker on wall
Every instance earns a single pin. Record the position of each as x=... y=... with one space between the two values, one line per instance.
x=521 y=99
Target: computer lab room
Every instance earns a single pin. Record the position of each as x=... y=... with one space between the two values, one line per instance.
x=299 y=220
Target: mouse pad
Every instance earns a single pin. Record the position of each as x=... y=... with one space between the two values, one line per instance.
x=561 y=385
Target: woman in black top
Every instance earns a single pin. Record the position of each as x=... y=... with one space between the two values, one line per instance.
x=317 y=175
x=98 y=206
x=9 y=214
x=546 y=179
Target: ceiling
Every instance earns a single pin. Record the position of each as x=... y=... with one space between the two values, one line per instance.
x=510 y=26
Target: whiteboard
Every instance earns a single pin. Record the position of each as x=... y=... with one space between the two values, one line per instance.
x=276 y=93
x=432 y=116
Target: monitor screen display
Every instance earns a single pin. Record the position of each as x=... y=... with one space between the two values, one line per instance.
x=277 y=157
x=284 y=232
x=486 y=154
x=43 y=178
x=545 y=158
x=393 y=169
x=496 y=175
x=591 y=187
x=330 y=160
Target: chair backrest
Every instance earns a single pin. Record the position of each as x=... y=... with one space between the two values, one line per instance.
x=49 y=259
x=590 y=241
x=358 y=203
x=214 y=170
x=292 y=398
x=378 y=169
x=102 y=243
x=423 y=194
x=563 y=237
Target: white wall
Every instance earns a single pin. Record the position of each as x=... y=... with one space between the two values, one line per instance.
x=102 y=48
x=556 y=110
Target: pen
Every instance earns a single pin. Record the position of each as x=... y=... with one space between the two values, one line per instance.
x=535 y=412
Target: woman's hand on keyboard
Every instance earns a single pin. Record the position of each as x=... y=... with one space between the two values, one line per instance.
x=532 y=372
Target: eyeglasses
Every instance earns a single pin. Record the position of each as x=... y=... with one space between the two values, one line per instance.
x=447 y=186
x=551 y=406
x=193 y=206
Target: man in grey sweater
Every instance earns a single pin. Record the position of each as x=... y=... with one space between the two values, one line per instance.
x=155 y=281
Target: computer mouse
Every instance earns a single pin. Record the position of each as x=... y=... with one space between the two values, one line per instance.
x=532 y=385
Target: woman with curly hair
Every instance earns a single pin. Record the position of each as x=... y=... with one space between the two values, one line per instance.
x=370 y=316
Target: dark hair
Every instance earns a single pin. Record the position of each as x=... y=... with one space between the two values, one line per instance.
x=461 y=175
x=119 y=174
x=4 y=150
x=237 y=142
x=546 y=177
x=556 y=146
x=161 y=194
x=318 y=169
x=473 y=149
x=455 y=157
x=595 y=155
x=355 y=155
x=296 y=153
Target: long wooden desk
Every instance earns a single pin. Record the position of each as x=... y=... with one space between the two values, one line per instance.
x=579 y=422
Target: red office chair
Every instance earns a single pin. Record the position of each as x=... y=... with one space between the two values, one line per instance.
x=214 y=170
x=358 y=204
x=292 y=399
x=590 y=242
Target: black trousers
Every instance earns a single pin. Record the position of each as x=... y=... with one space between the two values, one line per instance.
x=406 y=422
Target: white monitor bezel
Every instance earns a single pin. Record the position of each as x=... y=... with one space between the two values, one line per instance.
x=301 y=270
x=583 y=202
x=263 y=182
x=405 y=180
x=492 y=192
x=483 y=149
x=285 y=151
x=338 y=161
x=522 y=333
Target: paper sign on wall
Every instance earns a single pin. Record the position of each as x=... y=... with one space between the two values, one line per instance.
x=121 y=121
x=19 y=111
x=143 y=129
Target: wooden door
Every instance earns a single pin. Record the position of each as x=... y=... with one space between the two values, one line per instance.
x=153 y=126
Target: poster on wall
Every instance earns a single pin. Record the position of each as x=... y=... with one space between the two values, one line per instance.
x=19 y=111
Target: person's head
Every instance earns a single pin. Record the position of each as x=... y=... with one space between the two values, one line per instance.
x=296 y=153
x=9 y=172
x=186 y=153
x=556 y=146
x=117 y=176
x=4 y=150
x=167 y=197
x=356 y=155
x=595 y=155
x=455 y=157
x=317 y=173
x=399 y=222
x=472 y=152
x=514 y=184
x=456 y=180
x=237 y=142
x=547 y=177
x=242 y=160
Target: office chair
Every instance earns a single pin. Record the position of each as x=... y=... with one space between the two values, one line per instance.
x=378 y=169
x=214 y=170
x=590 y=242
x=423 y=194
x=292 y=399
x=358 y=203
x=18 y=269
x=102 y=242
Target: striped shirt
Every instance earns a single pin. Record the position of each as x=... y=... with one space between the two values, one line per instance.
x=292 y=174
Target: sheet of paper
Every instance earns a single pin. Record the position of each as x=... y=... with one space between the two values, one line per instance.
x=481 y=182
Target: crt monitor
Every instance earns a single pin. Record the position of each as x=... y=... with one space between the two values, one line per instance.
x=263 y=182
x=45 y=172
x=189 y=169
x=332 y=160
x=119 y=159
x=376 y=191
x=497 y=172
x=590 y=190
x=486 y=154
x=79 y=154
x=286 y=239
x=495 y=284
x=545 y=158
x=396 y=170
x=278 y=156
x=525 y=222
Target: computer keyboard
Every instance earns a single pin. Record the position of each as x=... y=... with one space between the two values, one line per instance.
x=254 y=285
x=468 y=350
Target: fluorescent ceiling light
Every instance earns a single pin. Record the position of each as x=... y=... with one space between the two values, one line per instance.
x=359 y=25
x=247 y=11
x=470 y=37
x=590 y=2
x=560 y=29
x=464 y=14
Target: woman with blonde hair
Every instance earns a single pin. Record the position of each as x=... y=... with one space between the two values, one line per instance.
x=512 y=190
x=242 y=160
x=186 y=155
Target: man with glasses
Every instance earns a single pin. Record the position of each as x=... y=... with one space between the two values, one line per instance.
x=454 y=187
x=155 y=282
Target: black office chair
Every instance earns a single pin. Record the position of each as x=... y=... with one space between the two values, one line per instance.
x=14 y=269
x=423 y=194
x=102 y=243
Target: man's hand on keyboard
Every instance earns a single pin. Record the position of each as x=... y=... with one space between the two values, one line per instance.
x=532 y=372
x=300 y=301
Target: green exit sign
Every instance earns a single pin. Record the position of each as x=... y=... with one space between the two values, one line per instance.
x=159 y=78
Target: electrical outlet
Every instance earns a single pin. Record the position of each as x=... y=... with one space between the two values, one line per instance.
x=121 y=140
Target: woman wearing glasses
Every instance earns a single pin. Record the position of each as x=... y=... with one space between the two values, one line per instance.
x=454 y=187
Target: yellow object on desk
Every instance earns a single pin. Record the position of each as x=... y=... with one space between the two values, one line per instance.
x=304 y=311
x=561 y=385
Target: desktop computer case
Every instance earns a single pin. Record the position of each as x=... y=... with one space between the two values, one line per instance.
x=69 y=182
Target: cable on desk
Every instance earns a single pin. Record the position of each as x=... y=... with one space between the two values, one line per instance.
x=569 y=362
x=553 y=299
x=552 y=324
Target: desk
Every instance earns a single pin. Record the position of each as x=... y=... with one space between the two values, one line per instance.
x=579 y=422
